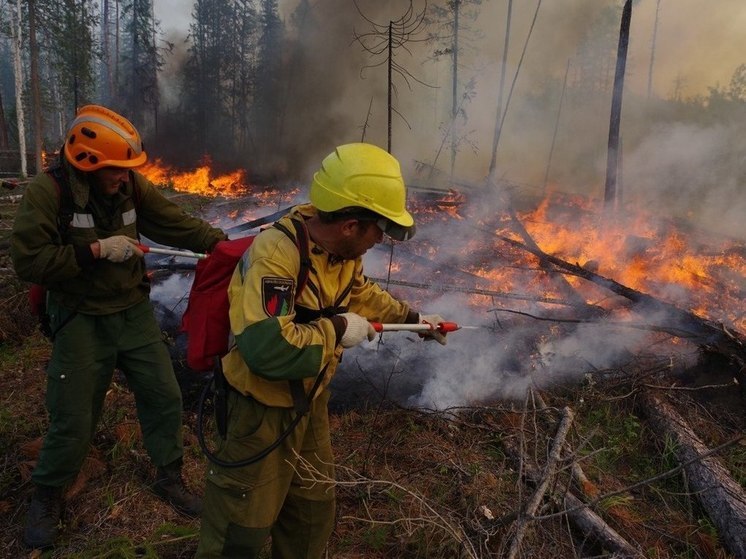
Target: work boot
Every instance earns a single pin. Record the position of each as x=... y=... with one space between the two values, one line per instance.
x=169 y=486
x=43 y=517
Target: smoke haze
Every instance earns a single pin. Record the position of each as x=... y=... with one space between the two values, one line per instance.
x=677 y=162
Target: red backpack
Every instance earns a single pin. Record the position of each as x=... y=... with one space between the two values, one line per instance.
x=206 y=320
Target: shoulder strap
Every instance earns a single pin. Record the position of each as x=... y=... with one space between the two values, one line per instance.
x=301 y=400
x=301 y=241
x=65 y=196
x=135 y=191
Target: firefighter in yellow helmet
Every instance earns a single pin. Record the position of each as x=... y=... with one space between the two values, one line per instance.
x=287 y=348
x=76 y=233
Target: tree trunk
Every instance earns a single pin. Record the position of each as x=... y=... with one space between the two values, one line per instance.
x=454 y=83
x=669 y=318
x=35 y=87
x=612 y=163
x=652 y=49
x=4 y=144
x=500 y=90
x=18 y=71
x=722 y=498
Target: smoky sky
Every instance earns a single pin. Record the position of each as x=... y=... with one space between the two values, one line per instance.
x=689 y=169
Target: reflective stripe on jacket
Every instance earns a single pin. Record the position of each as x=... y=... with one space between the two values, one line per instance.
x=271 y=347
x=41 y=256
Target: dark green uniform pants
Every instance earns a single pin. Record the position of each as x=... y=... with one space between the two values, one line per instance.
x=242 y=507
x=86 y=351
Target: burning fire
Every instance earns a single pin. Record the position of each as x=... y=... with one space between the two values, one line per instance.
x=199 y=181
x=689 y=269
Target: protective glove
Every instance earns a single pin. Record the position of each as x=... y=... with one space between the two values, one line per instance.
x=434 y=334
x=356 y=330
x=119 y=248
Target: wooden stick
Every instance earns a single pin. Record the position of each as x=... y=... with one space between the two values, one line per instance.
x=550 y=471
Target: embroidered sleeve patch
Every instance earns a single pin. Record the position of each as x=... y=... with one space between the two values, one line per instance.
x=277 y=296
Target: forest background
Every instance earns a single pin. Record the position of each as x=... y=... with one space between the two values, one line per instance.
x=271 y=86
x=519 y=92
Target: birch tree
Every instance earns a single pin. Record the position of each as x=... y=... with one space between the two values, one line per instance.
x=17 y=43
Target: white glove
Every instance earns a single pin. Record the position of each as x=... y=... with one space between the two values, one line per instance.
x=119 y=248
x=434 y=334
x=357 y=330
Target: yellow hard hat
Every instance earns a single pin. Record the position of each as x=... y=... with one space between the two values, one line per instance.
x=362 y=175
x=99 y=137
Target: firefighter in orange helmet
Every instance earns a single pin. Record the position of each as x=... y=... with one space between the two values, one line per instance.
x=288 y=351
x=76 y=233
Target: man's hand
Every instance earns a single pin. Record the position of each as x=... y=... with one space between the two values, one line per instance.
x=118 y=248
x=433 y=320
x=357 y=329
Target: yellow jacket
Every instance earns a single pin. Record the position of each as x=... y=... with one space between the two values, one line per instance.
x=271 y=347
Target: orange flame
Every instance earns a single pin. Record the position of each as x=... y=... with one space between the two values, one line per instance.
x=686 y=268
x=199 y=181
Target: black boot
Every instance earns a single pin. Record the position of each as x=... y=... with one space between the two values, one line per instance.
x=169 y=486
x=43 y=517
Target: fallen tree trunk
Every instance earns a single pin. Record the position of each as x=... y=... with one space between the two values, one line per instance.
x=723 y=499
x=477 y=291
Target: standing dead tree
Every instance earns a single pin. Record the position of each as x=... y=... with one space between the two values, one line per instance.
x=500 y=120
x=382 y=41
x=612 y=163
x=17 y=43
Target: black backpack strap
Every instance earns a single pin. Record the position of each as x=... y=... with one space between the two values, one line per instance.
x=65 y=195
x=300 y=239
x=135 y=191
x=301 y=400
x=301 y=403
x=64 y=218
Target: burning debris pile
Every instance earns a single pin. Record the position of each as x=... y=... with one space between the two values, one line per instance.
x=560 y=290
x=563 y=294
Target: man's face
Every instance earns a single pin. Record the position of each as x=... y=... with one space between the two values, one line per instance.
x=109 y=179
x=361 y=236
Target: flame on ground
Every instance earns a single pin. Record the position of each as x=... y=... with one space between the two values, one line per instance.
x=673 y=262
x=690 y=269
x=200 y=181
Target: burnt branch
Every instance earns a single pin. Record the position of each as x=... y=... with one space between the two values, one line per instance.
x=685 y=324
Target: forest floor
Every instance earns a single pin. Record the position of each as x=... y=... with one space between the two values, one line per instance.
x=410 y=483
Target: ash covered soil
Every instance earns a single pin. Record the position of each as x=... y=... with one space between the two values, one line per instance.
x=411 y=482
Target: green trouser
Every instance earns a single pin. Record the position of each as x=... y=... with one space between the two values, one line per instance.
x=243 y=506
x=86 y=351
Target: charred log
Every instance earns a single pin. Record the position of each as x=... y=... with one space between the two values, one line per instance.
x=722 y=498
x=560 y=281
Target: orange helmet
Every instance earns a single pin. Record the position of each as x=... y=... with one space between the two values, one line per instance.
x=99 y=137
